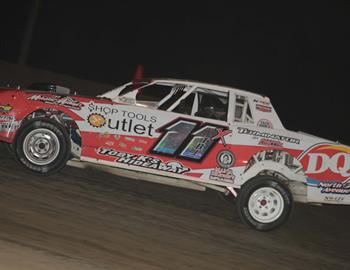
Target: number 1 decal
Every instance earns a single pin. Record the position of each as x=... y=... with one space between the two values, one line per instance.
x=188 y=139
x=174 y=137
x=200 y=143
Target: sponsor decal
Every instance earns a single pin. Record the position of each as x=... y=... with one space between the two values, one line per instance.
x=262 y=101
x=7 y=118
x=96 y=120
x=118 y=119
x=109 y=110
x=268 y=142
x=188 y=139
x=334 y=188
x=221 y=135
x=327 y=162
x=139 y=116
x=263 y=108
x=225 y=159
x=63 y=101
x=9 y=126
x=267 y=135
x=130 y=127
x=143 y=161
x=103 y=109
x=5 y=108
x=331 y=198
x=224 y=175
x=264 y=123
x=262 y=105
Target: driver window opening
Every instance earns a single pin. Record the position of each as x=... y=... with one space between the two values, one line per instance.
x=202 y=102
x=212 y=106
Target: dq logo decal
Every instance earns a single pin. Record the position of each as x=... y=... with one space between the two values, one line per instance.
x=189 y=139
x=327 y=162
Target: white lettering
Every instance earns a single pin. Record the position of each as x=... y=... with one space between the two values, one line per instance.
x=335 y=162
x=320 y=162
x=314 y=160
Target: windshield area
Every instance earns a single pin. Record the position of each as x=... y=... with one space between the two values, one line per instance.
x=131 y=87
x=153 y=92
x=202 y=102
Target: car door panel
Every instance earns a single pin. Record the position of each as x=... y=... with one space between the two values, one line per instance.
x=153 y=139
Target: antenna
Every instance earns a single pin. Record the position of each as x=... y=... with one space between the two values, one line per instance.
x=138 y=74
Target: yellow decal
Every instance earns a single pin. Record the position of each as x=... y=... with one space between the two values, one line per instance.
x=336 y=147
x=96 y=120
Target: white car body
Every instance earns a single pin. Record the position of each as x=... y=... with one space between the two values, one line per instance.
x=207 y=135
x=259 y=129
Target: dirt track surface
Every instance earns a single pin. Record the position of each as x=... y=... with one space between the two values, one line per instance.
x=86 y=219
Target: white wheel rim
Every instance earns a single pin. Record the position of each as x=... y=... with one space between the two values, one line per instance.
x=266 y=205
x=41 y=146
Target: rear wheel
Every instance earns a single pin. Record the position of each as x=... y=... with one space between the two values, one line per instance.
x=264 y=203
x=42 y=146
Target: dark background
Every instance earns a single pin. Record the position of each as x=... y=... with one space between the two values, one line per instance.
x=295 y=52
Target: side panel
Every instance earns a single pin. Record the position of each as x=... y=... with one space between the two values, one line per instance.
x=173 y=144
x=328 y=173
x=183 y=146
x=156 y=141
x=16 y=105
x=9 y=120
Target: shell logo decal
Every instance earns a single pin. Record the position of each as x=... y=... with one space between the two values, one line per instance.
x=96 y=120
x=6 y=108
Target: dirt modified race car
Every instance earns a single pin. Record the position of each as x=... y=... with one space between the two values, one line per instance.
x=205 y=135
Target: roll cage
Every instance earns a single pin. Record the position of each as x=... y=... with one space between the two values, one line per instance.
x=191 y=99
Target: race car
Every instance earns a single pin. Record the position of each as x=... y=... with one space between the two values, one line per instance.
x=205 y=135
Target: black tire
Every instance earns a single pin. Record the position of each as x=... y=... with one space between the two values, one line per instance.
x=42 y=146
x=264 y=203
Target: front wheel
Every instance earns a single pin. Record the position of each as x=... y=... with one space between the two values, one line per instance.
x=42 y=146
x=264 y=203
